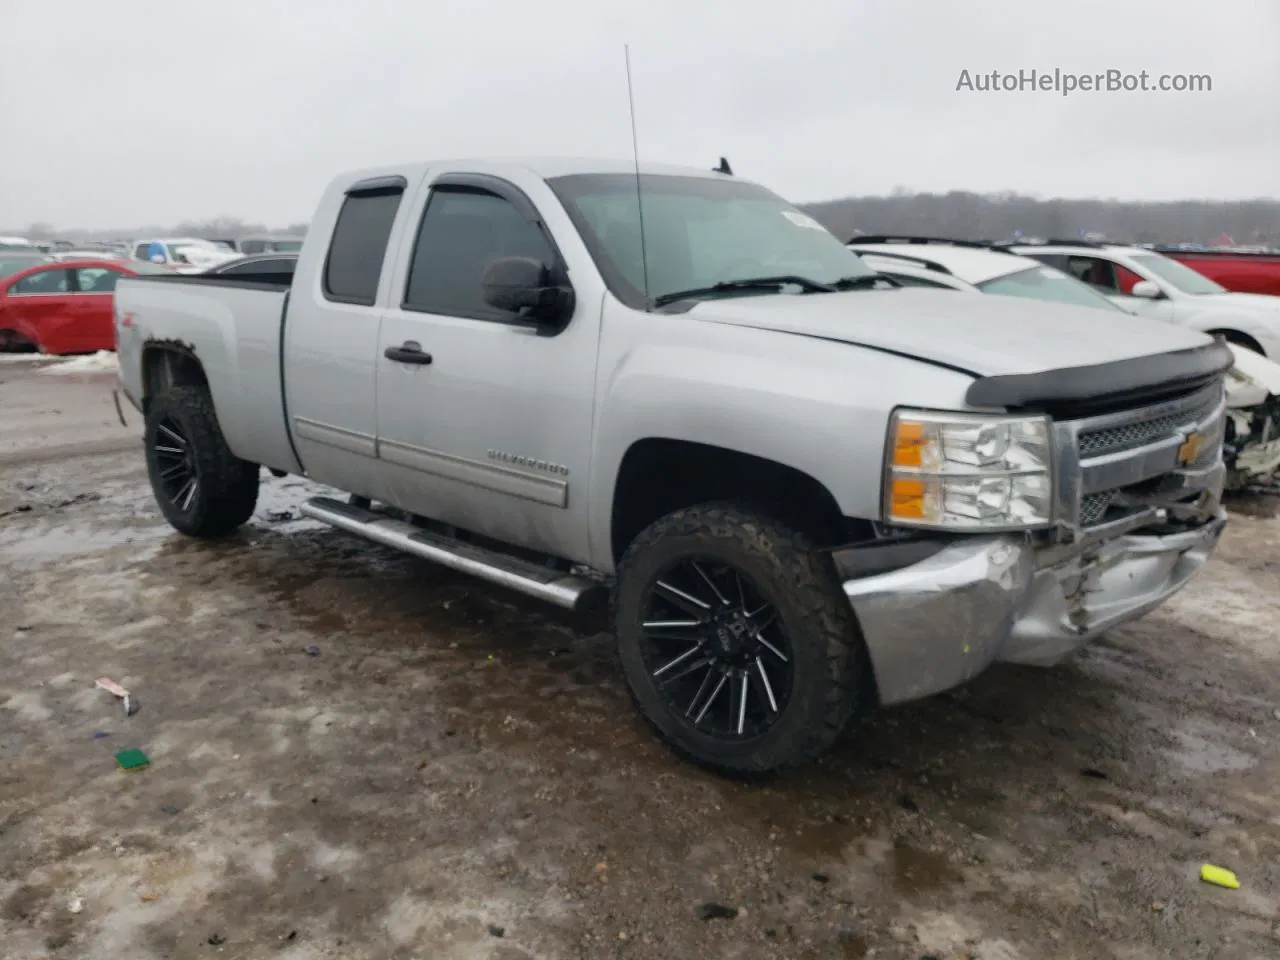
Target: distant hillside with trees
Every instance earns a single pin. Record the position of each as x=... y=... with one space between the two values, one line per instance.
x=993 y=216
x=1001 y=216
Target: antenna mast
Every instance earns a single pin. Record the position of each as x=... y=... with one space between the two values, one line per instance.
x=635 y=153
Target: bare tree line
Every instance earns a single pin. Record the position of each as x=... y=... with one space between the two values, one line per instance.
x=957 y=214
x=1000 y=216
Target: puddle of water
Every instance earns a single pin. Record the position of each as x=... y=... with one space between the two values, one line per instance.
x=919 y=871
x=1199 y=754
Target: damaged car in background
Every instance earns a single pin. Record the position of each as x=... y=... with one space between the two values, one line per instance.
x=1251 y=448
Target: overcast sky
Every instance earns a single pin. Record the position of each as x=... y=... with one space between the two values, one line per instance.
x=139 y=111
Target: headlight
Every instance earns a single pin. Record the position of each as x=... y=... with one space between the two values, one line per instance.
x=968 y=471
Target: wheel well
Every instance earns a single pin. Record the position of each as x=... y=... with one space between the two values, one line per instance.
x=169 y=365
x=658 y=476
x=1239 y=339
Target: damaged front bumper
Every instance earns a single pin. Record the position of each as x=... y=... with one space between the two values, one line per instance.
x=934 y=624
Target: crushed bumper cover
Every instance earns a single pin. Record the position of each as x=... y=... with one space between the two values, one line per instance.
x=936 y=623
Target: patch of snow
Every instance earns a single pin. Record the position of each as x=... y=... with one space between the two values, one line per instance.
x=104 y=361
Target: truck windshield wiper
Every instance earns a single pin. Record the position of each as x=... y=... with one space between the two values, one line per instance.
x=864 y=282
x=751 y=283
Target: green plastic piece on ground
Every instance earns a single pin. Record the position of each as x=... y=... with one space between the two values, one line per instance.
x=132 y=759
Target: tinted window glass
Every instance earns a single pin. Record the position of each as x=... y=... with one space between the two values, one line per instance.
x=140 y=251
x=96 y=280
x=462 y=232
x=46 y=281
x=360 y=245
x=253 y=246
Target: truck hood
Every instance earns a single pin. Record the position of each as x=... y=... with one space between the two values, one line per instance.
x=984 y=336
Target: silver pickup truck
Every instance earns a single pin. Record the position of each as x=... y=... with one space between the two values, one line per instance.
x=806 y=489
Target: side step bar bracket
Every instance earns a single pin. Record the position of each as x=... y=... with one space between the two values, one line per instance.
x=543 y=583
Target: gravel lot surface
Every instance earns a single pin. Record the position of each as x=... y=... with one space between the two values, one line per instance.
x=357 y=754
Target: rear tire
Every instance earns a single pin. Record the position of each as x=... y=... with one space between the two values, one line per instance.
x=203 y=489
x=774 y=629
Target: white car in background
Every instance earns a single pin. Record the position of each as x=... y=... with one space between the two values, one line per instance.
x=183 y=254
x=1252 y=446
x=1152 y=285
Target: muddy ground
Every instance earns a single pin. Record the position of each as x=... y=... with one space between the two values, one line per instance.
x=357 y=754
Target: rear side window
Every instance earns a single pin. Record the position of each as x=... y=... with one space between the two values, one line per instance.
x=359 y=245
x=96 y=280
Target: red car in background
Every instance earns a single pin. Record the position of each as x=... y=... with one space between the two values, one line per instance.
x=64 y=307
x=1238 y=272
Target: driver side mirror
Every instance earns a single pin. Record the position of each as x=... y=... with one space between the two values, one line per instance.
x=1146 y=290
x=525 y=286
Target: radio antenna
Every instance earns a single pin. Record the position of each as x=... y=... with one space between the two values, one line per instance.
x=635 y=153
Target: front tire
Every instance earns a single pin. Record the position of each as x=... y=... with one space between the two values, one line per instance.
x=736 y=641
x=203 y=489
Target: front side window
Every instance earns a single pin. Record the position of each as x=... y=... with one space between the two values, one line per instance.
x=1047 y=283
x=96 y=280
x=44 y=282
x=359 y=245
x=252 y=246
x=1094 y=271
x=1178 y=275
x=697 y=232
x=463 y=231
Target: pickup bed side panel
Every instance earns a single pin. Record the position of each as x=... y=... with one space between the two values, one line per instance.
x=819 y=407
x=235 y=334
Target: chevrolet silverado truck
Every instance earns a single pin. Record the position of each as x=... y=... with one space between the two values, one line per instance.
x=806 y=489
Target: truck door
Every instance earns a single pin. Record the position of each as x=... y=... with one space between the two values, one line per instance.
x=493 y=433
x=331 y=341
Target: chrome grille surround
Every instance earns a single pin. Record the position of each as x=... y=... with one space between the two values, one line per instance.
x=1099 y=457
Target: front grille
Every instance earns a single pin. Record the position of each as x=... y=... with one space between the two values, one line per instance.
x=1127 y=459
x=1093 y=507
x=1095 y=443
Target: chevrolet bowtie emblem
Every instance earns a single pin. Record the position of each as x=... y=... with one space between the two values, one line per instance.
x=1190 y=449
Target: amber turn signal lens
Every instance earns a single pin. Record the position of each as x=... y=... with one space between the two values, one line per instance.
x=908 y=444
x=906 y=498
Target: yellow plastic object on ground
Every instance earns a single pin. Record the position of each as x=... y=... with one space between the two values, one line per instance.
x=1219 y=877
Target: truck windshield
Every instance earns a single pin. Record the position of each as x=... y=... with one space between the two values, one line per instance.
x=699 y=232
x=1048 y=283
x=1180 y=276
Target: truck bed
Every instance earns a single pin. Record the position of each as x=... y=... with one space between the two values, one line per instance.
x=233 y=326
